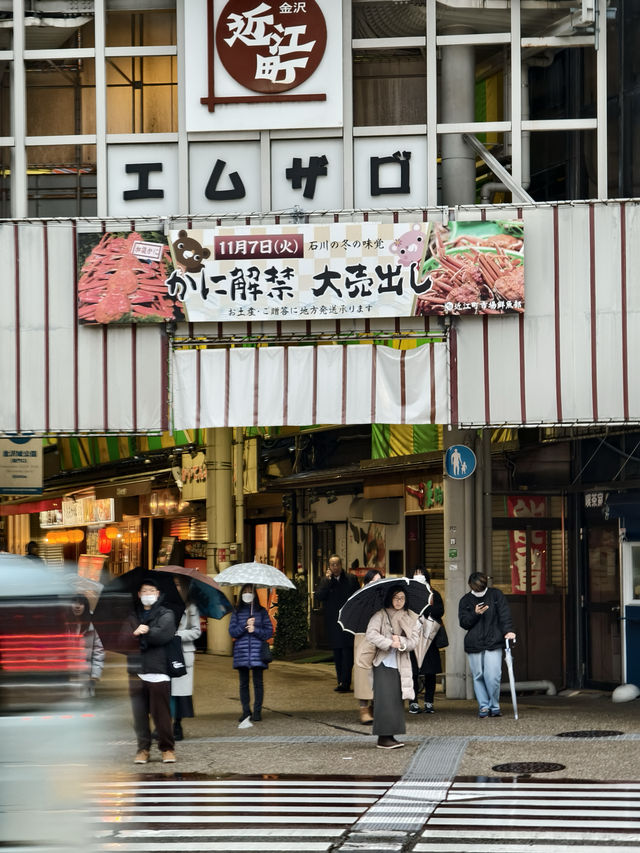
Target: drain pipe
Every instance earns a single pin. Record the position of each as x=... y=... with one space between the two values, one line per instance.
x=548 y=686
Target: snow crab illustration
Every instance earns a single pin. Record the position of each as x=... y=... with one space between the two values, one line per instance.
x=117 y=286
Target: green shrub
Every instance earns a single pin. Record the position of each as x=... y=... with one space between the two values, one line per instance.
x=292 y=631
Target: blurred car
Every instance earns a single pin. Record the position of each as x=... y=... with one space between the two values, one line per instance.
x=41 y=662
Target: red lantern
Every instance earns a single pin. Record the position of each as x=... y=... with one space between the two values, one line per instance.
x=104 y=543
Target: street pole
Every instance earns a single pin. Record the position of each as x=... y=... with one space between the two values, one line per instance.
x=220 y=531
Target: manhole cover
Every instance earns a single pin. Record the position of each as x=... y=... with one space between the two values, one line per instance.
x=591 y=733
x=522 y=768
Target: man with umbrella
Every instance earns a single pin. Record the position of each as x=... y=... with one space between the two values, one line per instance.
x=485 y=616
x=336 y=587
x=145 y=635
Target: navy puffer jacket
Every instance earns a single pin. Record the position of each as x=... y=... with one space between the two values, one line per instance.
x=246 y=649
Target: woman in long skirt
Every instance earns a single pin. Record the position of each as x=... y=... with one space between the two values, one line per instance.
x=182 y=688
x=394 y=630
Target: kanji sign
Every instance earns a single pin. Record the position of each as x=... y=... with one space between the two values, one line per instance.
x=528 y=507
x=20 y=466
x=263 y=63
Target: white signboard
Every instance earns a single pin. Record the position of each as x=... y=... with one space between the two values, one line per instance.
x=253 y=65
x=143 y=179
x=20 y=466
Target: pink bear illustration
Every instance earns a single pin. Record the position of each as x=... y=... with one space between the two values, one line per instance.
x=410 y=247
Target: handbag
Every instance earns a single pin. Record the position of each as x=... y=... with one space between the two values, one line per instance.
x=175 y=658
x=266 y=654
x=441 y=639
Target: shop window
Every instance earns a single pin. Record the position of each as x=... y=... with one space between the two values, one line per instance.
x=434 y=544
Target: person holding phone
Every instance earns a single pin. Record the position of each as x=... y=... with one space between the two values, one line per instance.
x=485 y=615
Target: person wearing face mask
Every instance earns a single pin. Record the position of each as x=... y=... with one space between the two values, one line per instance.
x=148 y=629
x=485 y=615
x=249 y=626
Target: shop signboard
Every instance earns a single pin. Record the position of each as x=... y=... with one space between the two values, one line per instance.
x=251 y=65
x=81 y=512
x=194 y=477
x=422 y=496
x=527 y=507
x=20 y=466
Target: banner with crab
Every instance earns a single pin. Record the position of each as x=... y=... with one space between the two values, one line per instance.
x=122 y=278
x=291 y=272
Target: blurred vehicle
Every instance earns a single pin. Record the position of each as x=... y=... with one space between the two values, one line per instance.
x=41 y=662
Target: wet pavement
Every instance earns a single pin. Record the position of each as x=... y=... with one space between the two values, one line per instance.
x=307 y=728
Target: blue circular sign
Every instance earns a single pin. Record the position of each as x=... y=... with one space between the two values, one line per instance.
x=459 y=462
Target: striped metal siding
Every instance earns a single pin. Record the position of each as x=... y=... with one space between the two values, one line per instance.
x=58 y=376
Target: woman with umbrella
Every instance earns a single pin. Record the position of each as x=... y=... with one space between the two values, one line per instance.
x=250 y=626
x=188 y=630
x=394 y=630
x=79 y=622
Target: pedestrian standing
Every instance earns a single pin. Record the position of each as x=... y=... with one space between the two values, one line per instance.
x=79 y=623
x=485 y=615
x=182 y=688
x=145 y=634
x=363 y=677
x=250 y=625
x=431 y=664
x=336 y=587
x=394 y=631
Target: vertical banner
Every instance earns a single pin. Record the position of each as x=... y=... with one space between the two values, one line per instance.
x=527 y=507
x=20 y=466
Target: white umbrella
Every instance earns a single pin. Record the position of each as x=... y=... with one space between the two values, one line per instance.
x=508 y=659
x=258 y=574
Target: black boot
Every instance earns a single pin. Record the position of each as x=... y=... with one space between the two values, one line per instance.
x=177 y=730
x=256 y=717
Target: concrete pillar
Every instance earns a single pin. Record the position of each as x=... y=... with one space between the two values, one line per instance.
x=457 y=97
x=459 y=539
x=220 y=528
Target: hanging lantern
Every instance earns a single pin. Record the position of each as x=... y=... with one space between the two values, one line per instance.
x=62 y=538
x=104 y=543
x=111 y=532
x=76 y=535
x=52 y=537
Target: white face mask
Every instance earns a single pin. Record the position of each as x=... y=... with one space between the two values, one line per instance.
x=247 y=597
x=148 y=600
x=478 y=594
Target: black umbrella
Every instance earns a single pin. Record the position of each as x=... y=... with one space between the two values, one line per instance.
x=356 y=612
x=120 y=596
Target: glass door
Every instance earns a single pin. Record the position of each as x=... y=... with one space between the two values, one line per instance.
x=631 y=613
x=602 y=608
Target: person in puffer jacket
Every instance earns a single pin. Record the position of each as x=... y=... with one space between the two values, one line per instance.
x=485 y=616
x=249 y=626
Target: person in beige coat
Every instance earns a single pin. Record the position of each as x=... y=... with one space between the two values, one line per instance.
x=394 y=631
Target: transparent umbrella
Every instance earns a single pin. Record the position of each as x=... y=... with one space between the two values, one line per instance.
x=258 y=574
x=508 y=659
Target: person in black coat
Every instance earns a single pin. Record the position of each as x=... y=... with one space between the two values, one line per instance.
x=431 y=664
x=145 y=635
x=485 y=616
x=336 y=587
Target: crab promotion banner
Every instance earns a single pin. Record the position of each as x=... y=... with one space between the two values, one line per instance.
x=122 y=278
x=342 y=270
x=528 y=507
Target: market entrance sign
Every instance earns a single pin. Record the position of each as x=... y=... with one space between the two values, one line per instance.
x=270 y=64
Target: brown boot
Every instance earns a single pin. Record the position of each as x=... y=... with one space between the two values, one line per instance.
x=366 y=717
x=142 y=756
x=168 y=756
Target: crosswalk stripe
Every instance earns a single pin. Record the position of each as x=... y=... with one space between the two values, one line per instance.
x=228 y=815
x=508 y=817
x=460 y=847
